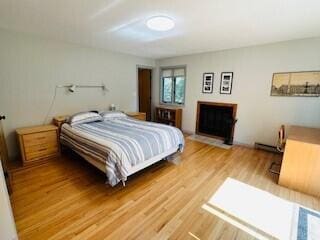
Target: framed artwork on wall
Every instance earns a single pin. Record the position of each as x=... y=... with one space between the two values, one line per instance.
x=207 y=84
x=296 y=84
x=226 y=82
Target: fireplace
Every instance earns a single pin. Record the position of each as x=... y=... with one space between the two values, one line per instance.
x=216 y=120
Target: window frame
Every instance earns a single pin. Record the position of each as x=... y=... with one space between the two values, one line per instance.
x=173 y=87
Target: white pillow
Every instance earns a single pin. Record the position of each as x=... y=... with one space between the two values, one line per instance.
x=112 y=115
x=84 y=117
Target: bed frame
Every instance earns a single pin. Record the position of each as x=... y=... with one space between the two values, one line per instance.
x=171 y=153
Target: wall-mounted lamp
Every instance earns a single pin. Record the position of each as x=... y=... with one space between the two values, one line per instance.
x=72 y=88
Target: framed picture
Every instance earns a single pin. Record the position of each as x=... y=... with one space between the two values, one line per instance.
x=296 y=84
x=207 y=84
x=226 y=82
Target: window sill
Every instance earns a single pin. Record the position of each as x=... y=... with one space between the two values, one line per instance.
x=171 y=104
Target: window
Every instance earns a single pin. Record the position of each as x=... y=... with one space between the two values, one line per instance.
x=173 y=85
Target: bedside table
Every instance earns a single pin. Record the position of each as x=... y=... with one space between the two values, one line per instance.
x=137 y=115
x=38 y=143
x=59 y=120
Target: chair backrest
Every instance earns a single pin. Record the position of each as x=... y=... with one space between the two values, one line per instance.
x=281 y=139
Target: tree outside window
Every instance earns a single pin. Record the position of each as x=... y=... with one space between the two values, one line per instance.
x=173 y=85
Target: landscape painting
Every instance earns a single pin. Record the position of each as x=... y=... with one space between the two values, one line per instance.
x=296 y=84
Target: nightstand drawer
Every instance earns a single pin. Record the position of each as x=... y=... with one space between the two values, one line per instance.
x=140 y=117
x=137 y=115
x=39 y=147
x=42 y=152
x=39 y=138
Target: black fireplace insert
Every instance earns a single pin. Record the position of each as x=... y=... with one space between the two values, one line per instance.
x=216 y=120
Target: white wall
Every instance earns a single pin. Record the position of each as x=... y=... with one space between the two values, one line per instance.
x=259 y=114
x=7 y=225
x=31 y=67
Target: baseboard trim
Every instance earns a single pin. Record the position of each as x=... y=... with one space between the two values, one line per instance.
x=265 y=147
x=188 y=132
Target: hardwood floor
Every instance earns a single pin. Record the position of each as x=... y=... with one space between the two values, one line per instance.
x=66 y=198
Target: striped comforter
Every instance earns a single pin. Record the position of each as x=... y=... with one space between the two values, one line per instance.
x=121 y=143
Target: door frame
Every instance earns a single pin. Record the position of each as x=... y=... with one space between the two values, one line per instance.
x=152 y=68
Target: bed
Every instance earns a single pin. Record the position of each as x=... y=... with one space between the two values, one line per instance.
x=120 y=145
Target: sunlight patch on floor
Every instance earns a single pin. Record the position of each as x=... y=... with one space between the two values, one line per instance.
x=252 y=210
x=194 y=236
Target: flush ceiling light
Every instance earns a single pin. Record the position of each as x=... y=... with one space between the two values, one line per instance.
x=160 y=23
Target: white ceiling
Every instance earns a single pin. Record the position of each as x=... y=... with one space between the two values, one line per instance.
x=201 y=25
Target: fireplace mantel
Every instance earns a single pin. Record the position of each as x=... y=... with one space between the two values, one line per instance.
x=217 y=120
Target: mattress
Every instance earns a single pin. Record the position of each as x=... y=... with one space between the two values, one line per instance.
x=122 y=144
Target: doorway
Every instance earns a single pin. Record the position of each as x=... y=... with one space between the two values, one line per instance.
x=144 y=82
x=4 y=158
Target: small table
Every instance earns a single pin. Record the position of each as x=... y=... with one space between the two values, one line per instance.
x=59 y=120
x=38 y=143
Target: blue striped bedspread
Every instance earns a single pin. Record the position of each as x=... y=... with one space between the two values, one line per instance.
x=121 y=143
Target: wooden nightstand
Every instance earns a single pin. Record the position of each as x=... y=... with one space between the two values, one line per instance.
x=137 y=115
x=38 y=143
x=59 y=120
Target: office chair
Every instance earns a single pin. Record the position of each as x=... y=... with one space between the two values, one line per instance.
x=280 y=148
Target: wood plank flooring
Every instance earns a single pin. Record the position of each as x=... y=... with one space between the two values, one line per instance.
x=67 y=198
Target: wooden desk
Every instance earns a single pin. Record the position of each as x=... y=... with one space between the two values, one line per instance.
x=300 y=169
